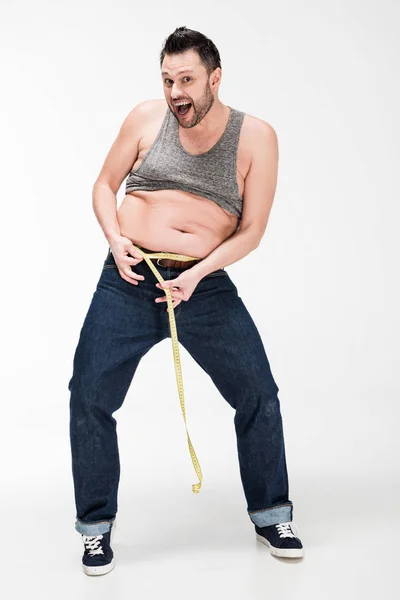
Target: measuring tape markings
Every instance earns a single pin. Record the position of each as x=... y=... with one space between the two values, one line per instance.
x=175 y=348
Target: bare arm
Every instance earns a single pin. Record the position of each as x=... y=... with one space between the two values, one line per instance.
x=122 y=154
x=258 y=196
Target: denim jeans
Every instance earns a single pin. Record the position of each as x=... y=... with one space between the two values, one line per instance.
x=122 y=324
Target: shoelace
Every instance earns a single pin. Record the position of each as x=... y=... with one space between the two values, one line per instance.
x=287 y=529
x=92 y=544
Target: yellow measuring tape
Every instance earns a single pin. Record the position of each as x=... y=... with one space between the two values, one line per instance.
x=175 y=348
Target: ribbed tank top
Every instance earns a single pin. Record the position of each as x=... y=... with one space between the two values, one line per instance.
x=212 y=174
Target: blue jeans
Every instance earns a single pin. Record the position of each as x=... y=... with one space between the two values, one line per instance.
x=122 y=324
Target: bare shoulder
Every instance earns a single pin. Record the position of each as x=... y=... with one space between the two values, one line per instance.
x=257 y=139
x=151 y=108
x=150 y=105
x=146 y=110
x=134 y=137
x=256 y=129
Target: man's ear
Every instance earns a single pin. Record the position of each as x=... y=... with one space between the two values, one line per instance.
x=216 y=77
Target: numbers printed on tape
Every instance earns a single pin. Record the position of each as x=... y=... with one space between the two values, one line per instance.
x=175 y=347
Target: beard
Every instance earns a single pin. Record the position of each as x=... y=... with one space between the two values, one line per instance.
x=200 y=109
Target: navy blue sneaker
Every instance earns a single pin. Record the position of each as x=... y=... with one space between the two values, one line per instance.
x=281 y=539
x=98 y=557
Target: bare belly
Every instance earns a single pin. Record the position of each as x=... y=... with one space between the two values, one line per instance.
x=174 y=221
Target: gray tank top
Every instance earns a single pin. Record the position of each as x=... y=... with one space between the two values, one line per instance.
x=212 y=174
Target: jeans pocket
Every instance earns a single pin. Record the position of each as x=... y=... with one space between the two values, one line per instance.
x=109 y=262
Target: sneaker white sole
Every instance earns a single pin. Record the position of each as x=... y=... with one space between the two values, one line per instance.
x=282 y=552
x=102 y=570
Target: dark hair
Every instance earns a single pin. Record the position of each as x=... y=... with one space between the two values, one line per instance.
x=183 y=39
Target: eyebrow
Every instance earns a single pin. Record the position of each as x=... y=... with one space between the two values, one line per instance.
x=180 y=72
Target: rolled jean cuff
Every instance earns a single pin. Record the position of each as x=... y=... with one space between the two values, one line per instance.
x=94 y=527
x=281 y=513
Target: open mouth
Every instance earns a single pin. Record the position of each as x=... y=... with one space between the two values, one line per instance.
x=183 y=109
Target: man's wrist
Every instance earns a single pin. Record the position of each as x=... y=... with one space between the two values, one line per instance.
x=112 y=235
x=202 y=269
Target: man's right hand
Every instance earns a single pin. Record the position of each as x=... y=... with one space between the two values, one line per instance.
x=121 y=248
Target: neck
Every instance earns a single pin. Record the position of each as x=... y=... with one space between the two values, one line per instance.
x=215 y=120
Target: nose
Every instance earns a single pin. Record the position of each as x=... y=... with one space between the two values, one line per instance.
x=175 y=91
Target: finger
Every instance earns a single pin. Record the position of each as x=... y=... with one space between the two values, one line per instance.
x=135 y=254
x=164 y=298
x=167 y=287
x=127 y=278
x=175 y=304
x=133 y=261
x=130 y=276
x=133 y=275
x=175 y=292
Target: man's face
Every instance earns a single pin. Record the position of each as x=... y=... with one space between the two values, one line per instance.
x=185 y=79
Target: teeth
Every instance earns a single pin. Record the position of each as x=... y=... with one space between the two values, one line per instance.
x=180 y=103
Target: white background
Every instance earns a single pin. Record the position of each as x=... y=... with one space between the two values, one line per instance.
x=322 y=287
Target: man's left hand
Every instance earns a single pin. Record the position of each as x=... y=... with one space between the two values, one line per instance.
x=182 y=287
